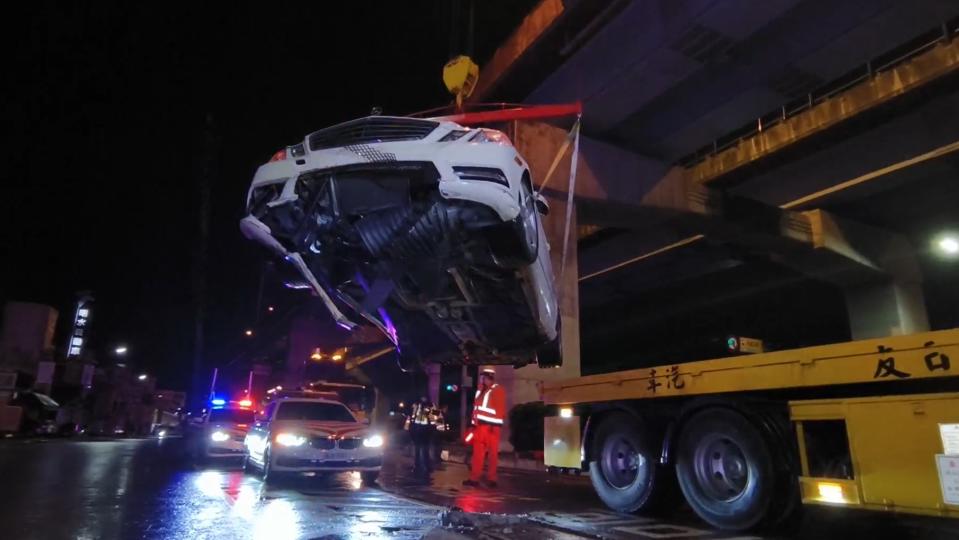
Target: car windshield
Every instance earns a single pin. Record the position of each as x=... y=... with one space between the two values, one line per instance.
x=312 y=410
x=237 y=416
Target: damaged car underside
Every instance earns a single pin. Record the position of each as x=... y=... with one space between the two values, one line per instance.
x=443 y=278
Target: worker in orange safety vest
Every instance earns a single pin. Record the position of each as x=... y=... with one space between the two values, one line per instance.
x=489 y=413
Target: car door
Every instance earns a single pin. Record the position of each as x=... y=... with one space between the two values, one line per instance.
x=259 y=433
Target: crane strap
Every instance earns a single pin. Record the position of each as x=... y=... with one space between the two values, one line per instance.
x=572 y=139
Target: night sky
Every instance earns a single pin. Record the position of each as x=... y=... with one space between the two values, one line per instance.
x=105 y=110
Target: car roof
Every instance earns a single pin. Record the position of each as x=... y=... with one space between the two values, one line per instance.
x=283 y=399
x=336 y=385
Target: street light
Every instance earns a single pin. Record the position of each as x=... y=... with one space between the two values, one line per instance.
x=337 y=357
x=120 y=350
x=948 y=245
x=248 y=332
x=142 y=377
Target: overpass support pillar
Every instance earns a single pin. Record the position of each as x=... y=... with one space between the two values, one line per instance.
x=884 y=297
x=525 y=384
x=433 y=383
x=302 y=340
x=890 y=308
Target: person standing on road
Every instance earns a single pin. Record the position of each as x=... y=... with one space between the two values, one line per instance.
x=489 y=408
x=421 y=424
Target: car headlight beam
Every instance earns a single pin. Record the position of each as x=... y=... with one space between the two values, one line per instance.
x=374 y=441
x=290 y=439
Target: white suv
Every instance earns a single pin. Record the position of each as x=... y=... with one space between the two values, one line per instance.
x=297 y=435
x=426 y=229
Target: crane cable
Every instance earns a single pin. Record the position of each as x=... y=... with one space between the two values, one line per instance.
x=572 y=139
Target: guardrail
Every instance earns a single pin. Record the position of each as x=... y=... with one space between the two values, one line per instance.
x=945 y=33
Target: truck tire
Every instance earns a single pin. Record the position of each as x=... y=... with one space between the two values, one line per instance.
x=624 y=464
x=725 y=469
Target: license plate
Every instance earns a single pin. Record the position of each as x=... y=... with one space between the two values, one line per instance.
x=335 y=456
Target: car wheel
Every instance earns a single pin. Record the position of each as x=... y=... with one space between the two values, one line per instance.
x=530 y=224
x=516 y=244
x=624 y=466
x=369 y=477
x=725 y=469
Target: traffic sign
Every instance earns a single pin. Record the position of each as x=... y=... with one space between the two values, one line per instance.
x=750 y=345
x=744 y=344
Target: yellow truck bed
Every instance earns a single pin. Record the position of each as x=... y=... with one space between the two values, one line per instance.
x=917 y=356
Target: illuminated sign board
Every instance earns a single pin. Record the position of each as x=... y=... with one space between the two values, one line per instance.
x=744 y=344
x=79 y=335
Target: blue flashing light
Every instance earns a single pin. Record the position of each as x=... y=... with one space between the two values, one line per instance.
x=218 y=402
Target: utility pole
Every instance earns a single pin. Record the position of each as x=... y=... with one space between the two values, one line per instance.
x=205 y=172
x=216 y=371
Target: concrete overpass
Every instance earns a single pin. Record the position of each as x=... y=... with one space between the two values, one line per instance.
x=726 y=138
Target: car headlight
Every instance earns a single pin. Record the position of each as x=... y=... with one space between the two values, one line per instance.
x=220 y=436
x=490 y=136
x=375 y=441
x=454 y=135
x=290 y=439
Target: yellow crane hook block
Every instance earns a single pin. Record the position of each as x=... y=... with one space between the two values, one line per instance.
x=460 y=76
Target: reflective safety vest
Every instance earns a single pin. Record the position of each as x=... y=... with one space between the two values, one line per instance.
x=489 y=407
x=424 y=415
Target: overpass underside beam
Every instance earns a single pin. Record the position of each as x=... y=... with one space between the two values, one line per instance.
x=876 y=90
x=875 y=269
x=617 y=188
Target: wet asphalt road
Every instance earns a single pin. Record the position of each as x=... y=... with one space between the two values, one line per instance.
x=147 y=489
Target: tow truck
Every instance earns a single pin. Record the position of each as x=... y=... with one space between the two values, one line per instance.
x=748 y=440
x=871 y=424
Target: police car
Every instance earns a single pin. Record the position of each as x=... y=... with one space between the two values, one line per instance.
x=222 y=431
x=312 y=435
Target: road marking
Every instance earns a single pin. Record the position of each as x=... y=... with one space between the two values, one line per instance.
x=662 y=530
x=613 y=525
x=601 y=517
